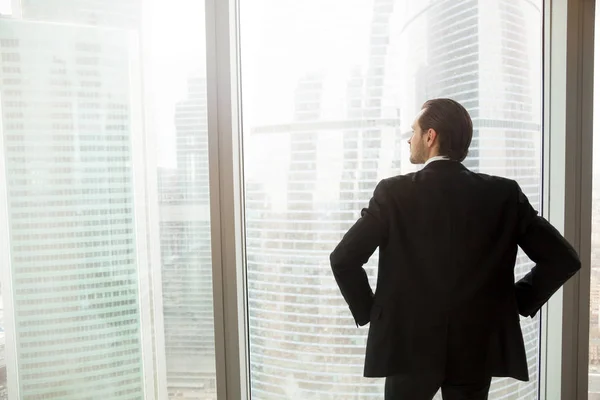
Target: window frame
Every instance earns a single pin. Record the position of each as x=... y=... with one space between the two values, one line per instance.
x=568 y=118
x=568 y=64
x=227 y=199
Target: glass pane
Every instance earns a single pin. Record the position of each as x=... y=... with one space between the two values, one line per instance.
x=105 y=234
x=329 y=87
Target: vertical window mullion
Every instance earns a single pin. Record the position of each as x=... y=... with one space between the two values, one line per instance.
x=226 y=199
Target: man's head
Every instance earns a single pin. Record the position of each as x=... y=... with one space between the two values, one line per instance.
x=442 y=128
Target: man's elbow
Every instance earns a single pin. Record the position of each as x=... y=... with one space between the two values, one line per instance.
x=568 y=262
x=339 y=264
x=570 y=266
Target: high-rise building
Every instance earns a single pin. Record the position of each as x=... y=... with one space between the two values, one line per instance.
x=289 y=283
x=186 y=269
x=118 y=14
x=185 y=251
x=73 y=277
x=303 y=342
x=480 y=54
x=375 y=106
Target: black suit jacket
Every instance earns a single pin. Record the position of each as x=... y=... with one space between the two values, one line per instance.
x=446 y=297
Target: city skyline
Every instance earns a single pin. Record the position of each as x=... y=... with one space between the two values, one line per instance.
x=329 y=160
x=296 y=224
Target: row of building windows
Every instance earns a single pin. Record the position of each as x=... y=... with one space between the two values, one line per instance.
x=113 y=305
x=109 y=336
x=51 y=258
x=77 y=245
x=9 y=43
x=93 y=280
x=66 y=311
x=89 y=378
x=18 y=194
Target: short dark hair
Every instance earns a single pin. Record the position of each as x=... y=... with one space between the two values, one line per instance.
x=452 y=123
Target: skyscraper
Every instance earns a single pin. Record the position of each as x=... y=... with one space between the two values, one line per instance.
x=73 y=275
x=289 y=282
x=186 y=270
x=480 y=55
x=185 y=251
x=117 y=14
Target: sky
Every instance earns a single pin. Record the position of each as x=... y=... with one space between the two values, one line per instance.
x=281 y=40
x=174 y=48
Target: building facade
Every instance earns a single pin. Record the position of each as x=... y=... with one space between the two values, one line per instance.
x=73 y=274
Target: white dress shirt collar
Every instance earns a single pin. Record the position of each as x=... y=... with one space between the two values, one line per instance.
x=436 y=158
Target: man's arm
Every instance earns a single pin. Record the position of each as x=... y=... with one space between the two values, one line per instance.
x=348 y=258
x=555 y=259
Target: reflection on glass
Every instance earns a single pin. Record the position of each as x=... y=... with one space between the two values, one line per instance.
x=329 y=87
x=106 y=286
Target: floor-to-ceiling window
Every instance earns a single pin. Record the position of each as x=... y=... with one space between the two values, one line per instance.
x=108 y=287
x=104 y=201
x=328 y=88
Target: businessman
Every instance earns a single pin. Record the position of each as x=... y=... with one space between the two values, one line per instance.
x=445 y=312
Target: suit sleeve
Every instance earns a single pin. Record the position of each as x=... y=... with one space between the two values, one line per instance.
x=555 y=259
x=355 y=249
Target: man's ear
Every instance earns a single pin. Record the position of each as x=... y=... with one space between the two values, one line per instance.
x=431 y=136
